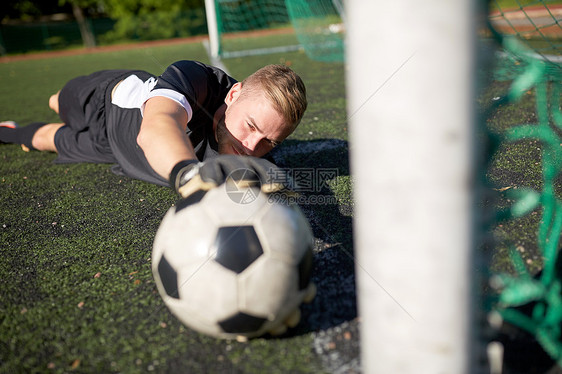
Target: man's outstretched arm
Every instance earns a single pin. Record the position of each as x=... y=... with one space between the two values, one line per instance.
x=162 y=135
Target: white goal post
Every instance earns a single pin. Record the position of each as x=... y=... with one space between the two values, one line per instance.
x=410 y=72
x=212 y=28
x=245 y=15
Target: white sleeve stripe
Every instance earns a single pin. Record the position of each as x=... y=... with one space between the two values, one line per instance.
x=174 y=95
x=131 y=92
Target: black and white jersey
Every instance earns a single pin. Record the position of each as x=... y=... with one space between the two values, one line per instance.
x=200 y=89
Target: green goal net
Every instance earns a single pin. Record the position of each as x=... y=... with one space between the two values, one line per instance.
x=319 y=25
x=240 y=28
x=529 y=64
x=249 y=27
x=537 y=23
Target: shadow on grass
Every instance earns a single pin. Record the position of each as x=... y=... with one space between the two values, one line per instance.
x=321 y=170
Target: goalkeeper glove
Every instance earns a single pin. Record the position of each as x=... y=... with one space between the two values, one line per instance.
x=190 y=176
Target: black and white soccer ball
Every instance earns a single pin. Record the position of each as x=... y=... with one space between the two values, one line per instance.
x=234 y=264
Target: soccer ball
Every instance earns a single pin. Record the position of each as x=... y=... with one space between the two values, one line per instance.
x=233 y=264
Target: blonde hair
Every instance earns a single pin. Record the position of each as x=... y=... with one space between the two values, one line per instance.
x=283 y=88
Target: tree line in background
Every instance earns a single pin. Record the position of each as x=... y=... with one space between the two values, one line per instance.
x=133 y=19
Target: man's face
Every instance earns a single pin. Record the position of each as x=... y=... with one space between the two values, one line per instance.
x=250 y=125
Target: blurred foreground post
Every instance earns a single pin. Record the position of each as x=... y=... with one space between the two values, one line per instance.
x=410 y=72
x=213 y=29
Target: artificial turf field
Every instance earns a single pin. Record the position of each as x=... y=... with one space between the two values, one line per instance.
x=77 y=292
x=77 y=289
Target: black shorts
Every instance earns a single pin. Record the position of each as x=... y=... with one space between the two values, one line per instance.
x=82 y=109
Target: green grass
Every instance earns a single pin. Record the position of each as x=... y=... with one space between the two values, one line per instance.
x=28 y=84
x=516 y=165
x=230 y=44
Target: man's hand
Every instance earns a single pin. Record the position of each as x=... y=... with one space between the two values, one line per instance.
x=190 y=176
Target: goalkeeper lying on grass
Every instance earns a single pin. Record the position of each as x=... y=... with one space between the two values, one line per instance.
x=158 y=129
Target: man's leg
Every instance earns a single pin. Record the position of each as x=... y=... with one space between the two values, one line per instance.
x=54 y=102
x=38 y=135
x=44 y=138
x=11 y=133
